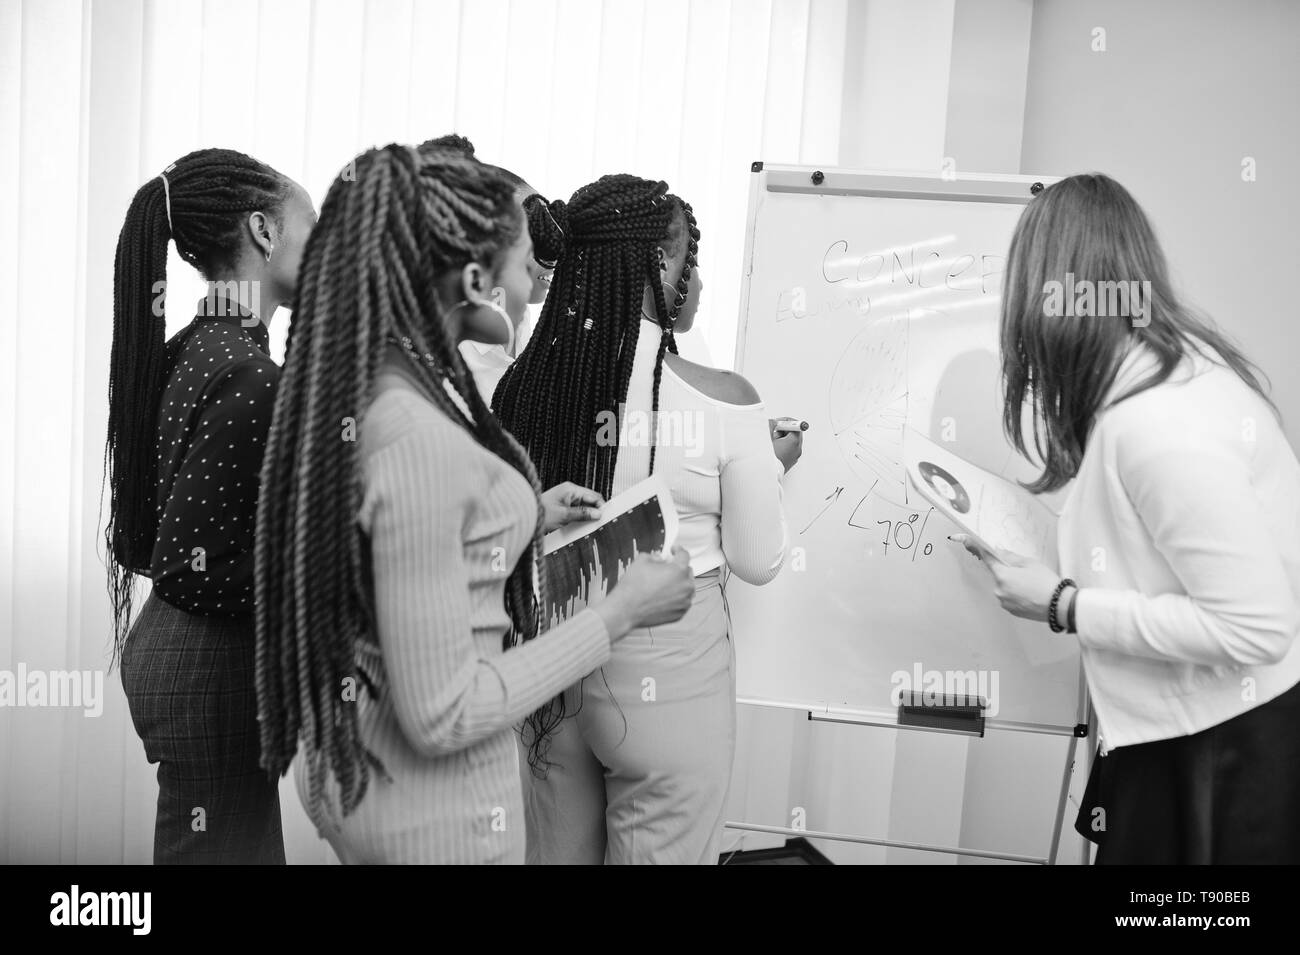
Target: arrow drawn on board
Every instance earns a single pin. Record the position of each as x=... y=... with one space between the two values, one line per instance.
x=831 y=498
x=859 y=504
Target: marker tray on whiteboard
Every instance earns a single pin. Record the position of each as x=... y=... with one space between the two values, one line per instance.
x=945 y=711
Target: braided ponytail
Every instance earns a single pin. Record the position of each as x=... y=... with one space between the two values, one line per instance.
x=578 y=363
x=603 y=244
x=548 y=227
x=201 y=204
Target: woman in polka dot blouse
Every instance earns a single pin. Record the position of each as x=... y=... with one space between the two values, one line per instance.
x=188 y=422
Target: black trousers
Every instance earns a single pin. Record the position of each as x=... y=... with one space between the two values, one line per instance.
x=189 y=684
x=1228 y=795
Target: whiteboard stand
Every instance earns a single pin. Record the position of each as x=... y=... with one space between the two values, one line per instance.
x=884 y=219
x=1083 y=730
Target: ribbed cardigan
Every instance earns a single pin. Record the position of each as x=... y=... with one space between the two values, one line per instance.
x=446 y=521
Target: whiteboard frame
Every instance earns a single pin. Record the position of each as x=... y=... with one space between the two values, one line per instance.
x=971 y=187
x=903 y=184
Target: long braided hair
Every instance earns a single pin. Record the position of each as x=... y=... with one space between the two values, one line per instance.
x=202 y=205
x=603 y=244
x=369 y=279
x=455 y=143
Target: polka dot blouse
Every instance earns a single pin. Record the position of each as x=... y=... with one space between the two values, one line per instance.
x=212 y=428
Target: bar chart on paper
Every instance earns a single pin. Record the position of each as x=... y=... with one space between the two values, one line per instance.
x=583 y=561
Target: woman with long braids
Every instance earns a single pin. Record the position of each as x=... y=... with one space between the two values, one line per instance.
x=187 y=424
x=399 y=529
x=488 y=361
x=601 y=398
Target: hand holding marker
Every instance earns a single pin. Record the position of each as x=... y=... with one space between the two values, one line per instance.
x=787 y=439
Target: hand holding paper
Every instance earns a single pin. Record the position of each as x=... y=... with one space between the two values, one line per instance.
x=569 y=502
x=1022 y=585
x=1003 y=517
x=584 y=560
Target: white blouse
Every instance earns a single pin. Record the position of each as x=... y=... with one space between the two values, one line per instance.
x=719 y=464
x=1182 y=530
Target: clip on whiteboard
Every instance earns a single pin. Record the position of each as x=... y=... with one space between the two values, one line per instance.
x=957 y=713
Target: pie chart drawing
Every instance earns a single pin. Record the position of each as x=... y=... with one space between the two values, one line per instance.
x=868 y=405
x=947 y=486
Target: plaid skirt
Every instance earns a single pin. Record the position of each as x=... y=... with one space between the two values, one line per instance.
x=189 y=684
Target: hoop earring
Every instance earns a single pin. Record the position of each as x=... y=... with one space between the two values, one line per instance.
x=509 y=346
x=672 y=309
x=268 y=253
x=675 y=306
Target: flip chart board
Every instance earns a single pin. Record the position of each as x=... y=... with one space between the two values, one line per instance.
x=869 y=307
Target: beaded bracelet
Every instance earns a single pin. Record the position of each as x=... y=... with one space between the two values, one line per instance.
x=1056 y=600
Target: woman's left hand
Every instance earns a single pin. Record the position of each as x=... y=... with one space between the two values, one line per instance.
x=1022 y=585
x=569 y=502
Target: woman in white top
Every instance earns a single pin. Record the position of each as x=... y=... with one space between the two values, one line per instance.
x=399 y=529
x=633 y=763
x=1179 y=541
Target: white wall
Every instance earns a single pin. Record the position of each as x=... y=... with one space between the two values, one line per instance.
x=896 y=83
x=1185 y=90
x=986 y=87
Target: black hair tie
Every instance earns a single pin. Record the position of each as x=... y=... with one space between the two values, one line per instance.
x=549 y=225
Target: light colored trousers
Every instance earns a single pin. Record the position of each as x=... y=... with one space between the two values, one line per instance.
x=640 y=774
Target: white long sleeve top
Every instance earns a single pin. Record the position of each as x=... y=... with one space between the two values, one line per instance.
x=1182 y=530
x=718 y=461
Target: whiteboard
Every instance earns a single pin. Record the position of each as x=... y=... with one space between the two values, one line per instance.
x=869 y=306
